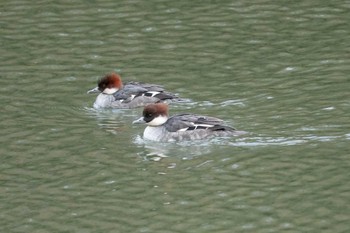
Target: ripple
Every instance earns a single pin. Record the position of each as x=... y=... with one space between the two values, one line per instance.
x=279 y=73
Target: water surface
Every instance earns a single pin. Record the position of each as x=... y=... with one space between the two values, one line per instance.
x=277 y=69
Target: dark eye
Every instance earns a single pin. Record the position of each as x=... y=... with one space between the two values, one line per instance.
x=101 y=86
x=148 y=115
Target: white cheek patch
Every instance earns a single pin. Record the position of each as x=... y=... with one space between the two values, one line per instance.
x=110 y=91
x=158 y=121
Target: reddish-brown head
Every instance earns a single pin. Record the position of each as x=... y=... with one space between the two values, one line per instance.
x=155 y=114
x=110 y=83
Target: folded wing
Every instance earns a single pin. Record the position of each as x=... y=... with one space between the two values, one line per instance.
x=187 y=122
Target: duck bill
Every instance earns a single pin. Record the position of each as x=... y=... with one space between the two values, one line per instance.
x=139 y=121
x=94 y=90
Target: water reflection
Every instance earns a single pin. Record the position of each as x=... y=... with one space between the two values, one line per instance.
x=281 y=73
x=116 y=121
x=112 y=120
x=184 y=150
x=156 y=151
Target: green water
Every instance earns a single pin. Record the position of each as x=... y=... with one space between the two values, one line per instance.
x=277 y=69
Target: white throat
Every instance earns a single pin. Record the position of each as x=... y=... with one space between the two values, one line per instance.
x=110 y=91
x=158 y=121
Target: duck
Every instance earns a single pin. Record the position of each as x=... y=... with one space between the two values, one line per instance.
x=116 y=94
x=181 y=127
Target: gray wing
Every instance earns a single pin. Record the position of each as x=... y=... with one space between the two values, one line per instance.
x=147 y=86
x=129 y=92
x=121 y=95
x=184 y=122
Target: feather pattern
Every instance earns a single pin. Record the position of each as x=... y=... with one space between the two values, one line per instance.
x=116 y=94
x=131 y=92
x=186 y=126
x=186 y=121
